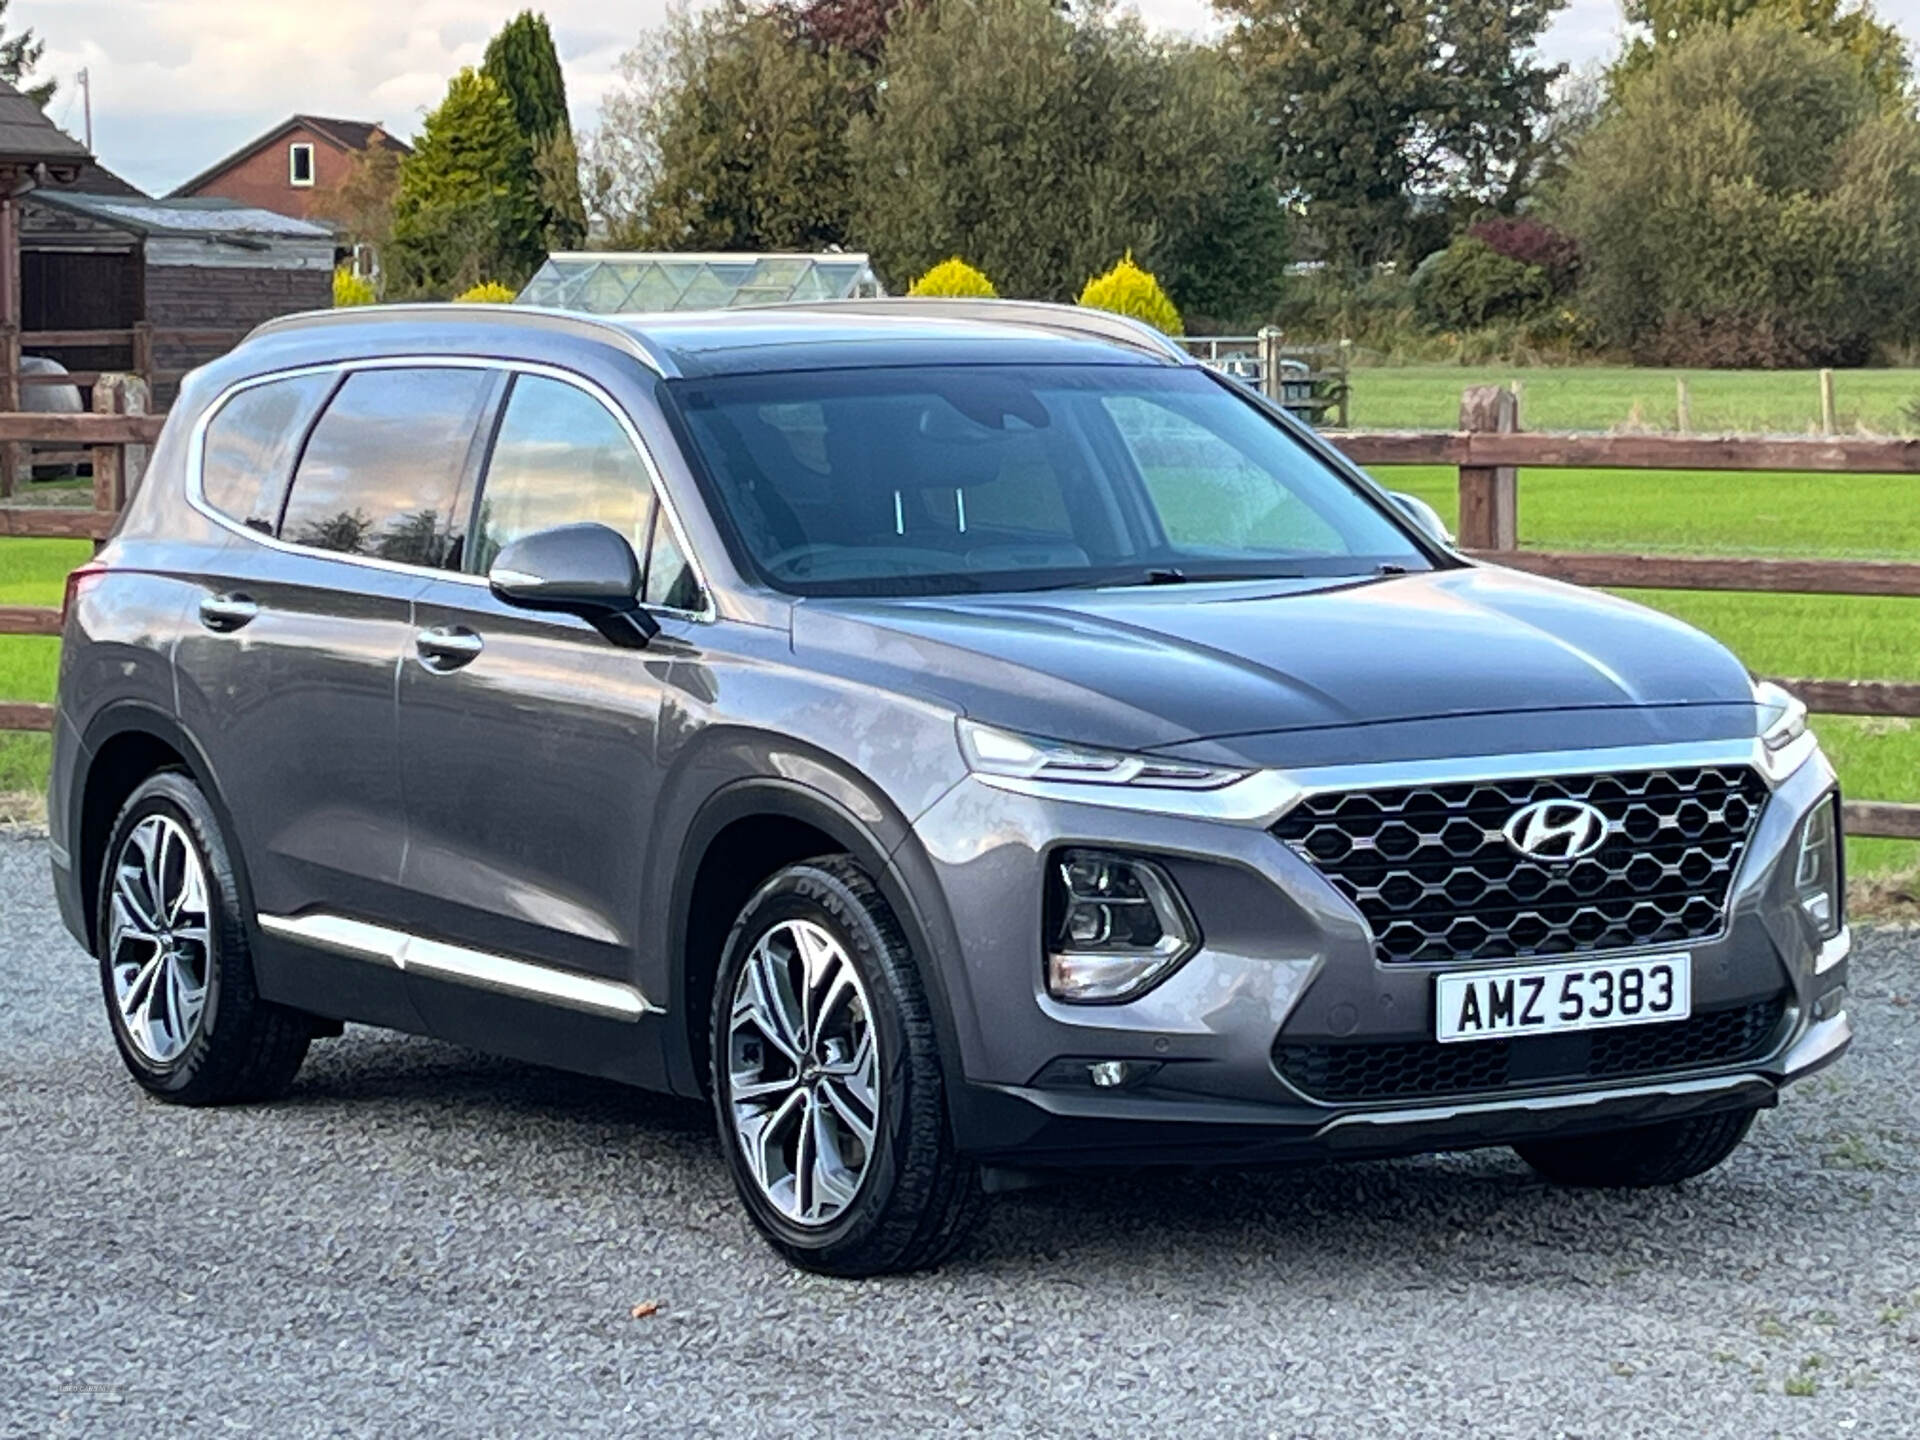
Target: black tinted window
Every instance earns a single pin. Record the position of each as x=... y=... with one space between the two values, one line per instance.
x=250 y=444
x=922 y=480
x=381 y=475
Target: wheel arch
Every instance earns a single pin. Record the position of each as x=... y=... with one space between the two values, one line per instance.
x=744 y=832
x=122 y=746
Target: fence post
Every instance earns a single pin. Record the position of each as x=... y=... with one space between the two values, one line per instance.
x=1489 y=494
x=10 y=401
x=1826 y=402
x=117 y=468
x=1272 y=382
x=143 y=352
x=1683 y=406
x=1346 y=380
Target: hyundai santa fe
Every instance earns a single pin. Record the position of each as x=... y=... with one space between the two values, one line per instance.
x=961 y=740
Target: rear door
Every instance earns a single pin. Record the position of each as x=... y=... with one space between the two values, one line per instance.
x=288 y=676
x=527 y=740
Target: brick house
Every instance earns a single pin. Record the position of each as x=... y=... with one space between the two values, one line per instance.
x=285 y=168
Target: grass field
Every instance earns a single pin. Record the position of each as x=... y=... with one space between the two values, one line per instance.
x=1602 y=397
x=1805 y=635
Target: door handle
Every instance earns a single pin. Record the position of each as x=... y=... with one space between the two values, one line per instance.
x=226 y=613
x=448 y=647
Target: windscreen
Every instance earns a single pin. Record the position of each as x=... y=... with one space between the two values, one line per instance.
x=931 y=479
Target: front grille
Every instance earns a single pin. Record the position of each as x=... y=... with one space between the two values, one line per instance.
x=1432 y=871
x=1346 y=1071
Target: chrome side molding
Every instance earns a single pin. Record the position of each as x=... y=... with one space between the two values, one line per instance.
x=378 y=945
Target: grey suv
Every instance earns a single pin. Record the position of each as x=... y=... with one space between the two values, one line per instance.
x=962 y=740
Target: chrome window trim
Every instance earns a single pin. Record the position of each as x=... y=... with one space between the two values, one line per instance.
x=196 y=454
x=482 y=969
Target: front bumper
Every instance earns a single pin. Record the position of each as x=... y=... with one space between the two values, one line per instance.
x=1287 y=959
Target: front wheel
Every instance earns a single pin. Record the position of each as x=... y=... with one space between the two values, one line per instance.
x=1647 y=1155
x=827 y=1083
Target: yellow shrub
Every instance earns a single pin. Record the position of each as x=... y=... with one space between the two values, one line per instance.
x=351 y=289
x=954 y=278
x=1128 y=290
x=492 y=292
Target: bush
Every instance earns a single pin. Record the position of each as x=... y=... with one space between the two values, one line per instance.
x=1532 y=242
x=954 y=278
x=351 y=289
x=1126 y=289
x=488 y=292
x=1470 y=284
x=1749 y=201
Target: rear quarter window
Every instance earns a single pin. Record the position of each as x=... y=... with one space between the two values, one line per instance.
x=250 y=445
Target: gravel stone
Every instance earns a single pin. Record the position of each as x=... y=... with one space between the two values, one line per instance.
x=421 y=1239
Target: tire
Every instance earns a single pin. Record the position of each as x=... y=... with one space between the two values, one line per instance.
x=866 y=1056
x=229 y=1046
x=1663 y=1154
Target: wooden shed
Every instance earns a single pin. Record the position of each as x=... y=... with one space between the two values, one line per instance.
x=123 y=282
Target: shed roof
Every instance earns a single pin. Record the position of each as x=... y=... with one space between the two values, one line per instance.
x=212 y=219
x=28 y=137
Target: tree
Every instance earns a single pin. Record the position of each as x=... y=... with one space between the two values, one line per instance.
x=522 y=61
x=954 y=278
x=1042 y=144
x=1376 y=109
x=728 y=136
x=361 y=206
x=1128 y=290
x=853 y=27
x=18 y=55
x=463 y=212
x=1749 y=200
x=1849 y=24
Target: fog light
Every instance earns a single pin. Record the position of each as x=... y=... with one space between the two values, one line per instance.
x=1115 y=926
x=1108 y=1074
x=1816 y=874
x=1825 y=1008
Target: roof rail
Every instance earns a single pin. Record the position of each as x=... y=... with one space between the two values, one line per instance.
x=1038 y=314
x=634 y=342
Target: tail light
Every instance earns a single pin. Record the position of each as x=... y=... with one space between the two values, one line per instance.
x=78 y=580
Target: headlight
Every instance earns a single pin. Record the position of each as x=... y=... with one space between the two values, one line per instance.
x=1784 y=739
x=1816 y=873
x=1115 y=926
x=1020 y=757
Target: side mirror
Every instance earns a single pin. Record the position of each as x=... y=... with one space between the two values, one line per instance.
x=1423 y=515
x=587 y=570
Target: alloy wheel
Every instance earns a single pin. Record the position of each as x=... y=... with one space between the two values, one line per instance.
x=157 y=941
x=803 y=1072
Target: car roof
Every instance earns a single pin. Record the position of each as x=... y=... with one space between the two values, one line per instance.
x=823 y=336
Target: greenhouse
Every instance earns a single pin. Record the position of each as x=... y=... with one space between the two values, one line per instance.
x=638 y=282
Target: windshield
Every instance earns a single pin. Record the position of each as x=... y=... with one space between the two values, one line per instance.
x=936 y=479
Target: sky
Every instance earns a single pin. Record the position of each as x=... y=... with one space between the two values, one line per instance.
x=179 y=84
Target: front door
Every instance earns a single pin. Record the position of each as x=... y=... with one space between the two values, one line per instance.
x=527 y=746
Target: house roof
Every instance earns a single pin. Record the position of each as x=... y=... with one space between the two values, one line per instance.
x=344 y=134
x=96 y=179
x=28 y=137
x=207 y=219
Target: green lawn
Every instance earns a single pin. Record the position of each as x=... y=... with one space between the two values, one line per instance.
x=1813 y=636
x=1601 y=397
x=32 y=572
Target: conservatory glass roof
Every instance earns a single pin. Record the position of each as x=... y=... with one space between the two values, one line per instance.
x=628 y=282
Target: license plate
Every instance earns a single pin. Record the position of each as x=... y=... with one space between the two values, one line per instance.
x=1552 y=999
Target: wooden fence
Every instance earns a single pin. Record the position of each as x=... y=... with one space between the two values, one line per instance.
x=116 y=436
x=1489 y=450
x=1488 y=453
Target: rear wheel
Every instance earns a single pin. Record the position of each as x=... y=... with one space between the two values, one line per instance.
x=174 y=964
x=827 y=1083
x=1663 y=1154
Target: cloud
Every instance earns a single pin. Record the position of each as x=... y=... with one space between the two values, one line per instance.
x=180 y=83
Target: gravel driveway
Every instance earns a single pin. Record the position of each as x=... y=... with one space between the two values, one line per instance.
x=423 y=1238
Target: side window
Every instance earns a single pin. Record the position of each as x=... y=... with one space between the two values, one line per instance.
x=382 y=473
x=560 y=458
x=670 y=579
x=250 y=444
